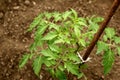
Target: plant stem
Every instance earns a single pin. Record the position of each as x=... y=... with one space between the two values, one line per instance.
x=78 y=46
x=114 y=7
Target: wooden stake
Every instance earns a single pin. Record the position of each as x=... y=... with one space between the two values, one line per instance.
x=114 y=7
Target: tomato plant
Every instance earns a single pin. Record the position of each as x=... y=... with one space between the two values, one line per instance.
x=59 y=37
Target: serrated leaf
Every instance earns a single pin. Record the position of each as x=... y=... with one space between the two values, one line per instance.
x=48 y=63
x=82 y=42
x=97 y=19
x=31 y=55
x=35 y=22
x=74 y=57
x=117 y=40
x=54 y=48
x=74 y=13
x=82 y=22
x=93 y=26
x=59 y=41
x=37 y=63
x=101 y=46
x=32 y=47
x=41 y=29
x=53 y=26
x=108 y=60
x=77 y=31
x=110 y=32
x=118 y=48
x=48 y=15
x=37 y=38
x=57 y=16
x=24 y=60
x=48 y=53
x=71 y=68
x=49 y=36
x=61 y=67
x=51 y=71
x=66 y=15
x=60 y=75
x=105 y=38
x=80 y=75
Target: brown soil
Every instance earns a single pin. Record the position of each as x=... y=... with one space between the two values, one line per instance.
x=15 y=18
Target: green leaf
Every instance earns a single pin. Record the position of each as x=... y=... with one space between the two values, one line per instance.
x=82 y=42
x=61 y=67
x=118 y=48
x=71 y=68
x=48 y=63
x=110 y=32
x=80 y=75
x=97 y=19
x=74 y=13
x=57 y=16
x=66 y=14
x=48 y=15
x=108 y=60
x=24 y=60
x=50 y=36
x=37 y=63
x=32 y=47
x=74 y=57
x=60 y=75
x=117 y=40
x=52 y=72
x=105 y=38
x=82 y=22
x=38 y=41
x=48 y=53
x=93 y=26
x=41 y=29
x=35 y=22
x=77 y=31
x=54 y=48
x=53 y=26
x=37 y=38
x=101 y=46
x=59 y=41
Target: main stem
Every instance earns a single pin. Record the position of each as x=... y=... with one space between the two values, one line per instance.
x=114 y=7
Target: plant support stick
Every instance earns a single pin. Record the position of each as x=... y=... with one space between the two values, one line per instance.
x=114 y=7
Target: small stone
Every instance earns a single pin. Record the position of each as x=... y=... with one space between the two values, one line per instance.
x=16 y=7
x=1 y=15
x=27 y=2
x=41 y=77
x=34 y=3
x=102 y=77
x=25 y=40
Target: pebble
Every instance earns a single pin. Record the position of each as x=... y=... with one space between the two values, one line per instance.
x=34 y=3
x=41 y=77
x=27 y=2
x=16 y=7
x=102 y=77
x=1 y=15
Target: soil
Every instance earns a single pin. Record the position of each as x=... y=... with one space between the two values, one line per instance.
x=15 y=18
